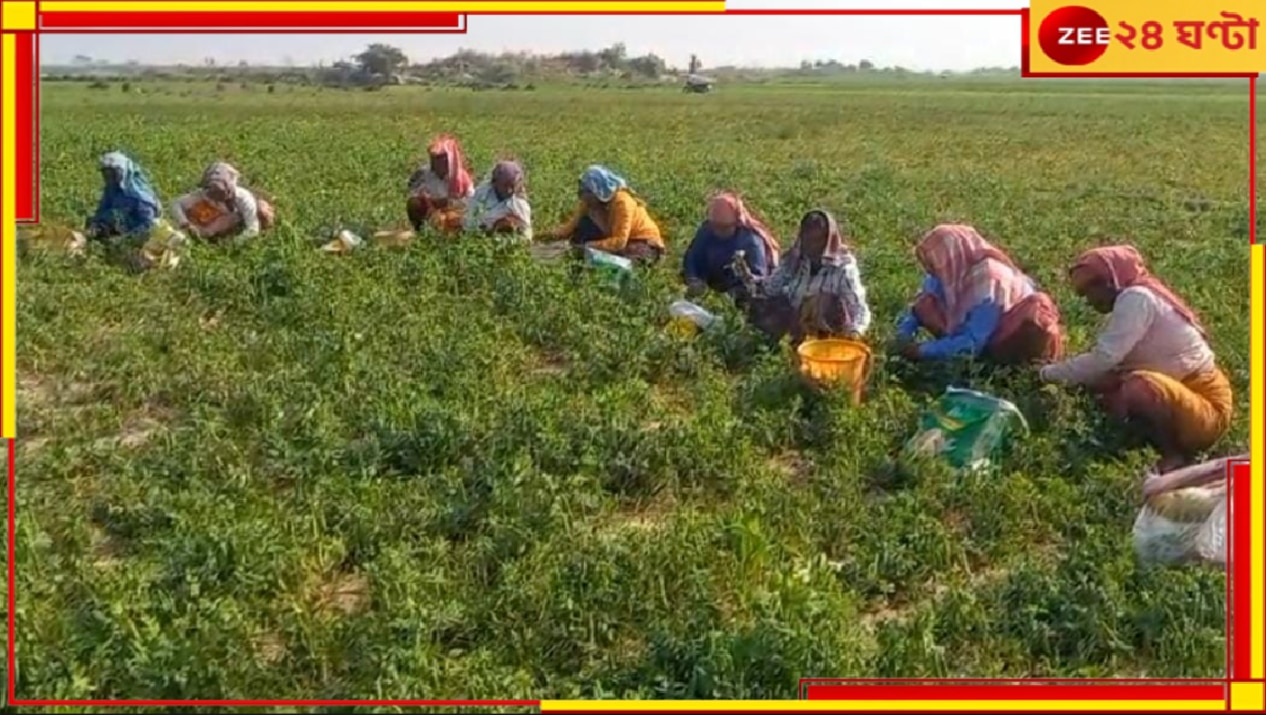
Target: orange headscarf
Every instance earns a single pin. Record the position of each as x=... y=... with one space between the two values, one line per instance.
x=459 y=180
x=727 y=206
x=950 y=252
x=1122 y=267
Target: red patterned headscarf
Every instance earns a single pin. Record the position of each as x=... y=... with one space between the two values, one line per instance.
x=459 y=180
x=951 y=253
x=1123 y=267
x=728 y=207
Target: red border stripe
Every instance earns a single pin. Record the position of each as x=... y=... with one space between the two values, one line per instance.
x=26 y=178
x=1241 y=601
x=1016 y=692
x=1024 y=42
x=240 y=19
x=930 y=12
x=278 y=703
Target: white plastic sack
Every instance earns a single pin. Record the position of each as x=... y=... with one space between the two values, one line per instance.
x=1211 y=542
x=1183 y=525
x=602 y=259
x=52 y=237
x=164 y=246
x=344 y=242
x=78 y=244
x=689 y=311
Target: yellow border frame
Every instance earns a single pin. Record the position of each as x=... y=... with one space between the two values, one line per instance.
x=8 y=247
x=819 y=706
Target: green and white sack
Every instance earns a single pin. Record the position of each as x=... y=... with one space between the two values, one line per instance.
x=966 y=428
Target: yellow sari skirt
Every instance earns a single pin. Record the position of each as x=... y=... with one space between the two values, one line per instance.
x=1200 y=406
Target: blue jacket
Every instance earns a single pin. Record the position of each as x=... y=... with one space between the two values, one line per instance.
x=131 y=206
x=709 y=257
x=129 y=214
x=970 y=338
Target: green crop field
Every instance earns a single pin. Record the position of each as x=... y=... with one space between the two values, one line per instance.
x=450 y=471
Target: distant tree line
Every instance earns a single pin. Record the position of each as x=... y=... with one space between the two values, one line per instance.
x=380 y=65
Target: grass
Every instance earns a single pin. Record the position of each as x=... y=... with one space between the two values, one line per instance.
x=452 y=472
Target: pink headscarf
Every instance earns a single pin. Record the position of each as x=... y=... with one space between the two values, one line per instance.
x=221 y=176
x=951 y=253
x=1122 y=267
x=512 y=171
x=459 y=181
x=727 y=207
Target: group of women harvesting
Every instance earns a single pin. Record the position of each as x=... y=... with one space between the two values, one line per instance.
x=609 y=217
x=219 y=208
x=1151 y=366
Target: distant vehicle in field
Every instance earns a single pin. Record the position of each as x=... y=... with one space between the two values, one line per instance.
x=698 y=84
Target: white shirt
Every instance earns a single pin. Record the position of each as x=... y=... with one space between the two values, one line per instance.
x=427 y=183
x=844 y=280
x=486 y=208
x=1143 y=333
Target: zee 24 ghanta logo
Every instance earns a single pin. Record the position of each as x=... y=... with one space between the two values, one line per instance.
x=1076 y=36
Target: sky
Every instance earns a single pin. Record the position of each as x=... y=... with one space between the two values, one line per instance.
x=916 y=43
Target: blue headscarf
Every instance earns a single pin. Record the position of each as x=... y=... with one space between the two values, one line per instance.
x=134 y=184
x=602 y=182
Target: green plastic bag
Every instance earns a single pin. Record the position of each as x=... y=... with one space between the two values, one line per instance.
x=615 y=270
x=966 y=429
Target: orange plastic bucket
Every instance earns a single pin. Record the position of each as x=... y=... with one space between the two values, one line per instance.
x=836 y=361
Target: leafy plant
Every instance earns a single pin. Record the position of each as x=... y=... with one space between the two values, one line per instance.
x=450 y=471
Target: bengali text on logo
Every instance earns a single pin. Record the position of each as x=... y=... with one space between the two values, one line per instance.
x=1076 y=36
